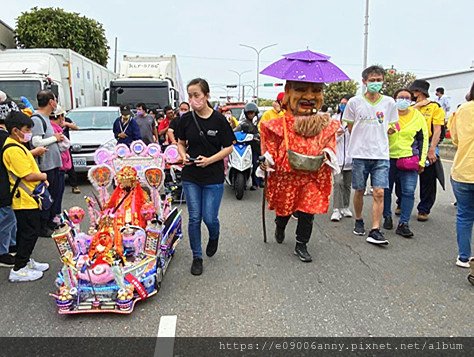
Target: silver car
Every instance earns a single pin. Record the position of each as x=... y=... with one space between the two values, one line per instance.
x=95 y=131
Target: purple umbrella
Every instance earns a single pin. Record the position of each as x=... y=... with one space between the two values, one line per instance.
x=306 y=66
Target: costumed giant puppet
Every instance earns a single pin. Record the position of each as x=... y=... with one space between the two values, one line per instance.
x=300 y=147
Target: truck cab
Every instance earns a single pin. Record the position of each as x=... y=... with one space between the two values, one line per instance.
x=154 y=93
x=153 y=80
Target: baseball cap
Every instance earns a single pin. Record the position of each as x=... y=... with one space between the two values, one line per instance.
x=280 y=96
x=125 y=110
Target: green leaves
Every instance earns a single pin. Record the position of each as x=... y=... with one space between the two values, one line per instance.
x=335 y=91
x=56 y=28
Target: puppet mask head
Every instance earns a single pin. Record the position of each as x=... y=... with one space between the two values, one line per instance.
x=303 y=98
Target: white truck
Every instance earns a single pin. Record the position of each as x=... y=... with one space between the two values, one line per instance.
x=153 y=80
x=76 y=80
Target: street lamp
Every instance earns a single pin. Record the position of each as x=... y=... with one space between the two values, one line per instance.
x=258 y=60
x=239 y=74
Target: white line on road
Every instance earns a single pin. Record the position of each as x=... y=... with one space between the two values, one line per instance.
x=166 y=333
x=167 y=326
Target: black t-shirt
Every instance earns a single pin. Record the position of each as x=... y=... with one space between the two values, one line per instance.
x=174 y=124
x=218 y=133
x=66 y=128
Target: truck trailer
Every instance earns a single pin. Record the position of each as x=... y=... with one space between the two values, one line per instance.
x=76 y=80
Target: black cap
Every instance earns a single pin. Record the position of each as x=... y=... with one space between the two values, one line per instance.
x=125 y=110
x=421 y=86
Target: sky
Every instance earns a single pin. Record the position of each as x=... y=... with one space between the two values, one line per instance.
x=425 y=37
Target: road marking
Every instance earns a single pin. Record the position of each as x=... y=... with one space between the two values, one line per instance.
x=167 y=326
x=166 y=332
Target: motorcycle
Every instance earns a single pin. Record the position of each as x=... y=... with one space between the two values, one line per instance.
x=239 y=171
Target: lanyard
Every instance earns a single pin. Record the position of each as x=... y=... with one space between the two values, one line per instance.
x=126 y=126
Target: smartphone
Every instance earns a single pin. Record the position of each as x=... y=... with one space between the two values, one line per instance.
x=192 y=159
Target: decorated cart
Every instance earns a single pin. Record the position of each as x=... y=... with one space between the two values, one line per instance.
x=131 y=238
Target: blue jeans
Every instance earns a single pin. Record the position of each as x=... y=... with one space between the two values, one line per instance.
x=203 y=203
x=464 y=193
x=378 y=170
x=407 y=181
x=7 y=229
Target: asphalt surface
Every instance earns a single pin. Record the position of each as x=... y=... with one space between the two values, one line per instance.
x=352 y=288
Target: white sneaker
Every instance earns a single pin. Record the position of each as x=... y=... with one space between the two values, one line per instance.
x=346 y=212
x=461 y=264
x=336 y=215
x=24 y=274
x=34 y=265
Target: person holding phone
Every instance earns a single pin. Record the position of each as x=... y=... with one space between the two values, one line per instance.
x=205 y=138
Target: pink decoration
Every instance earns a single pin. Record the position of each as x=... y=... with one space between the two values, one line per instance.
x=76 y=214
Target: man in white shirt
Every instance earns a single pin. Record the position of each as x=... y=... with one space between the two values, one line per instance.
x=370 y=119
x=443 y=100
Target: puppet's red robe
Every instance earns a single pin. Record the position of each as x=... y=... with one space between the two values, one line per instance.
x=289 y=190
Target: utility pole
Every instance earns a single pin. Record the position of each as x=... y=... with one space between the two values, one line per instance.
x=115 y=57
x=366 y=33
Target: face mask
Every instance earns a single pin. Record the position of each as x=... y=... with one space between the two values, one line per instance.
x=125 y=117
x=228 y=116
x=26 y=137
x=402 y=104
x=181 y=113
x=197 y=103
x=140 y=112
x=374 y=87
x=342 y=107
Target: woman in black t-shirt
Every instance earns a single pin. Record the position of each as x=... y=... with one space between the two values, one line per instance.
x=205 y=138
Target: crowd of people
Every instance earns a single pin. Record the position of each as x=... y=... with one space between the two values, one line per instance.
x=308 y=153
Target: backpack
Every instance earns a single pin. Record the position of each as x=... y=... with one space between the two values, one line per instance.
x=6 y=196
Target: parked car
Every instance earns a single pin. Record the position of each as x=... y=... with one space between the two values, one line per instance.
x=95 y=131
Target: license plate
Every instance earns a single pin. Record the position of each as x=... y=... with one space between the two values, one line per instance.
x=79 y=161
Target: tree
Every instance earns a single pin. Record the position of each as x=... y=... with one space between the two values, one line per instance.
x=265 y=102
x=56 y=28
x=395 y=80
x=335 y=91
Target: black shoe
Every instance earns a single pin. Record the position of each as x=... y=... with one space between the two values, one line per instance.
x=211 y=248
x=388 y=223
x=261 y=184
x=196 y=267
x=404 y=231
x=376 y=237
x=46 y=232
x=359 y=229
x=253 y=187
x=302 y=252
x=398 y=211
x=279 y=235
x=7 y=260
x=12 y=249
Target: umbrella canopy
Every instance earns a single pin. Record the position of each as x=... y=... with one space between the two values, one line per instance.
x=306 y=66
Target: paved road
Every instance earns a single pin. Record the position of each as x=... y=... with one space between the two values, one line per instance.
x=409 y=288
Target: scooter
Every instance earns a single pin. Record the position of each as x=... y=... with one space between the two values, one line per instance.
x=239 y=171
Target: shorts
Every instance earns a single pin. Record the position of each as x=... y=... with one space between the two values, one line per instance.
x=378 y=170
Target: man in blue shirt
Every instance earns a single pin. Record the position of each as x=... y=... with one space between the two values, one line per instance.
x=126 y=129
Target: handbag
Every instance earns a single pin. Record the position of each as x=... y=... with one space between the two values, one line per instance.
x=410 y=163
x=301 y=162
